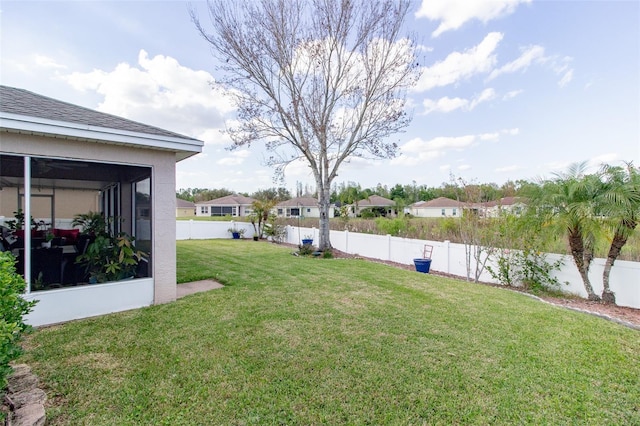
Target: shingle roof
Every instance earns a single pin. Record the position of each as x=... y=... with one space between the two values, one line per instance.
x=439 y=202
x=180 y=203
x=23 y=102
x=299 y=201
x=229 y=200
x=375 y=200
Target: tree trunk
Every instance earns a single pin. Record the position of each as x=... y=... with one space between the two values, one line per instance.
x=324 y=196
x=582 y=261
x=619 y=240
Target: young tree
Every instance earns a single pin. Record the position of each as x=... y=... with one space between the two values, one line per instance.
x=569 y=201
x=622 y=209
x=319 y=80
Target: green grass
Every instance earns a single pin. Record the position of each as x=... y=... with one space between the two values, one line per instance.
x=293 y=340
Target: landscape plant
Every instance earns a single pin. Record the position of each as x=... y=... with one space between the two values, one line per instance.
x=13 y=309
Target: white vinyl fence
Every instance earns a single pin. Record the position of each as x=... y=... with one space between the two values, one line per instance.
x=447 y=257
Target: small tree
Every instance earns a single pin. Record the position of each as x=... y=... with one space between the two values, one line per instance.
x=621 y=206
x=260 y=215
x=319 y=81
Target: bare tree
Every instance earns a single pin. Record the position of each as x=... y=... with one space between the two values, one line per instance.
x=315 y=80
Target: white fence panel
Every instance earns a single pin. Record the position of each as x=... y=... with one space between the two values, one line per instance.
x=447 y=257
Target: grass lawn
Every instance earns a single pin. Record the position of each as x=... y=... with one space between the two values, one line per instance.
x=304 y=341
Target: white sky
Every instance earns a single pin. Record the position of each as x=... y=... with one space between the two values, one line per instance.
x=510 y=89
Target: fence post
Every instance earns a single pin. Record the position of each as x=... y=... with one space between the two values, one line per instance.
x=388 y=246
x=346 y=241
x=447 y=247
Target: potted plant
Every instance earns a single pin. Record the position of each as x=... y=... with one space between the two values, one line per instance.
x=91 y=223
x=307 y=240
x=111 y=259
x=256 y=237
x=235 y=232
x=48 y=238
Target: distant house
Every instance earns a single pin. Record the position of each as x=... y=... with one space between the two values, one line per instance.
x=439 y=207
x=233 y=205
x=512 y=205
x=185 y=208
x=58 y=160
x=378 y=205
x=300 y=207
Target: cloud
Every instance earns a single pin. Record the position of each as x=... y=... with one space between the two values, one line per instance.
x=43 y=61
x=452 y=14
x=158 y=91
x=447 y=104
x=505 y=169
x=464 y=167
x=511 y=94
x=566 y=78
x=529 y=55
x=235 y=158
x=458 y=66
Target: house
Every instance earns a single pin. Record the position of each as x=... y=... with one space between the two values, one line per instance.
x=55 y=156
x=300 y=207
x=511 y=205
x=377 y=205
x=185 y=208
x=232 y=205
x=438 y=207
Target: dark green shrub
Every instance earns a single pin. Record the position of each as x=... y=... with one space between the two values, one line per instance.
x=13 y=308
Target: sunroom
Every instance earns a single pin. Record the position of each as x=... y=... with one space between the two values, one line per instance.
x=76 y=186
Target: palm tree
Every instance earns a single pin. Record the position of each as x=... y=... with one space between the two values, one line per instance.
x=622 y=210
x=570 y=202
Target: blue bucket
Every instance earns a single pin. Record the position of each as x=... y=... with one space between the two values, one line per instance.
x=422 y=265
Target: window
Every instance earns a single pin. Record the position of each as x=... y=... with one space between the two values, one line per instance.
x=223 y=210
x=455 y=212
x=279 y=212
x=204 y=209
x=295 y=211
x=443 y=212
x=308 y=210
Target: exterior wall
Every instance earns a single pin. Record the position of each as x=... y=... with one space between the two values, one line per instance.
x=436 y=212
x=305 y=211
x=71 y=303
x=185 y=212
x=162 y=165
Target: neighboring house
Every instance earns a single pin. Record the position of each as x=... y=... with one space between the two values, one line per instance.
x=123 y=169
x=380 y=206
x=512 y=205
x=231 y=205
x=185 y=208
x=300 y=207
x=438 y=207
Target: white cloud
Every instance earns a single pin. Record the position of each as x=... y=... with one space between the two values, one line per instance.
x=452 y=14
x=529 y=55
x=511 y=94
x=235 y=158
x=505 y=169
x=47 y=62
x=566 y=78
x=160 y=92
x=464 y=167
x=458 y=66
x=447 y=104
